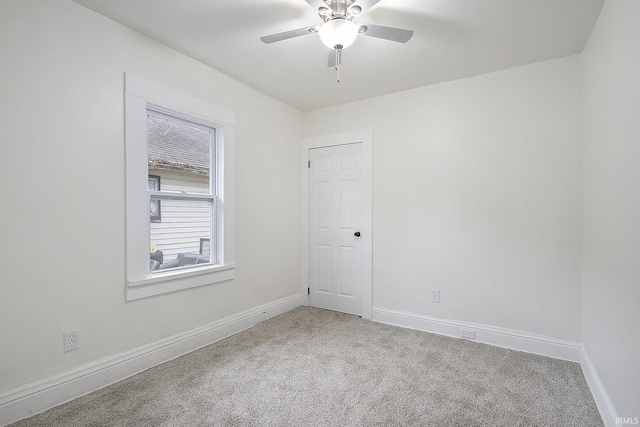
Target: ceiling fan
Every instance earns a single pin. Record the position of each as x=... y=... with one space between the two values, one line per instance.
x=338 y=30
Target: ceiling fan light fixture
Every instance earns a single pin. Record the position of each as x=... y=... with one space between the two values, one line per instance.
x=338 y=32
x=355 y=10
x=324 y=11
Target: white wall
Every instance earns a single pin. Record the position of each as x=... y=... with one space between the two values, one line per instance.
x=62 y=186
x=611 y=266
x=476 y=192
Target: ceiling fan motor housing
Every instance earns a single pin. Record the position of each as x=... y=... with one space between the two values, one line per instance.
x=339 y=9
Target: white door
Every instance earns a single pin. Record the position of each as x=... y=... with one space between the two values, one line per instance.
x=335 y=215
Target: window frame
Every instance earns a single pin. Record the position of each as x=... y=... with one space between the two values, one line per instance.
x=139 y=97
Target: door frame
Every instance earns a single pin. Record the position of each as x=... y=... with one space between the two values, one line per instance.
x=364 y=137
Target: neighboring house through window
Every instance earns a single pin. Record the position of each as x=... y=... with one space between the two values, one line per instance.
x=189 y=146
x=154 y=205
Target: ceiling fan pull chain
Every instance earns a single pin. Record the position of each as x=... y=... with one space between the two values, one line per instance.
x=338 y=65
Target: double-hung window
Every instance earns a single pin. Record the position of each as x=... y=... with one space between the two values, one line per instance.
x=187 y=145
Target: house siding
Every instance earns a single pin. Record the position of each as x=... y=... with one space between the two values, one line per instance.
x=182 y=223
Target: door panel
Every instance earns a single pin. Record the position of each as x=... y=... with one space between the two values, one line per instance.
x=346 y=271
x=335 y=262
x=324 y=268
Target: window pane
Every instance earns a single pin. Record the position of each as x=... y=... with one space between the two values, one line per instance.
x=179 y=154
x=182 y=239
x=179 y=159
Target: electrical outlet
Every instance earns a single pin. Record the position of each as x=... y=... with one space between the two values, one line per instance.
x=71 y=340
x=435 y=296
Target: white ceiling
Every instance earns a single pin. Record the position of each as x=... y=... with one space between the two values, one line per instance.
x=453 y=39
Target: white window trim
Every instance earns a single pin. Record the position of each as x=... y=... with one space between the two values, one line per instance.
x=141 y=95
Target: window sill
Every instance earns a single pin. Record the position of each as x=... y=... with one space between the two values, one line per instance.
x=176 y=280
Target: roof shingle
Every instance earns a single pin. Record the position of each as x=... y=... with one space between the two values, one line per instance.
x=175 y=145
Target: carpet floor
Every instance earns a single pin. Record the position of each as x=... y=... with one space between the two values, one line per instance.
x=312 y=367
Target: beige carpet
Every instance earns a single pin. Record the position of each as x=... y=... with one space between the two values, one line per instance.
x=312 y=367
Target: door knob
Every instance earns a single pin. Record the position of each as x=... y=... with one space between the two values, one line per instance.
x=357 y=234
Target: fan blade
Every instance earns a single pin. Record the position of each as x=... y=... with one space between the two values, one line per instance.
x=365 y=4
x=289 y=34
x=333 y=54
x=387 y=33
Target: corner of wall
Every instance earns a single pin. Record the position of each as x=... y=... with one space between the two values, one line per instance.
x=607 y=411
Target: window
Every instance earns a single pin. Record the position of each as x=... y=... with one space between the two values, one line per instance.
x=178 y=235
x=180 y=152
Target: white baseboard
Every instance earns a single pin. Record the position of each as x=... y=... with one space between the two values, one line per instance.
x=516 y=340
x=37 y=397
x=607 y=411
x=501 y=337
